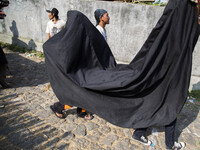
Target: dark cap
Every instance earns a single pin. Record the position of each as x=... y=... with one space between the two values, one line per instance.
x=53 y=11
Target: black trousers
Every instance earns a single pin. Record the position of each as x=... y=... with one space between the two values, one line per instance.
x=169 y=133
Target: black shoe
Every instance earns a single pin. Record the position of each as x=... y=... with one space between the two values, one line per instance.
x=143 y=140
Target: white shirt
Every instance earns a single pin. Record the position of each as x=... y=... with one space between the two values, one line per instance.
x=54 y=28
x=102 y=31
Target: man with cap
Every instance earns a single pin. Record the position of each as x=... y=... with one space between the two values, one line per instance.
x=55 y=24
x=102 y=19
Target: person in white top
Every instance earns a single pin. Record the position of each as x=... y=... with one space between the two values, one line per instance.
x=55 y=24
x=102 y=18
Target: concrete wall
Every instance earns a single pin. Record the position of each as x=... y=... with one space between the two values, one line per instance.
x=130 y=25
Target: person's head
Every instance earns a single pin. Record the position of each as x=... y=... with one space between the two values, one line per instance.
x=101 y=16
x=53 y=13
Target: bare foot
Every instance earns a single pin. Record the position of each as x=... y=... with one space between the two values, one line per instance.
x=88 y=117
x=59 y=115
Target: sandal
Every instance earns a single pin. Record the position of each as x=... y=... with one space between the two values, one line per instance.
x=56 y=113
x=85 y=115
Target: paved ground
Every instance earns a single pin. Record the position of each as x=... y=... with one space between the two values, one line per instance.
x=26 y=122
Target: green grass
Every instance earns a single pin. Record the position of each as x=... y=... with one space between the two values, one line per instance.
x=40 y=54
x=195 y=94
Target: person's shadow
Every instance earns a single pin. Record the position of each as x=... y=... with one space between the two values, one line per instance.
x=188 y=115
x=15 y=37
x=32 y=45
x=196 y=86
x=24 y=72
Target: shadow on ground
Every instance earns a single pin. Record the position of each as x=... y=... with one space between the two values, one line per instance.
x=19 y=129
x=187 y=116
x=24 y=72
x=20 y=125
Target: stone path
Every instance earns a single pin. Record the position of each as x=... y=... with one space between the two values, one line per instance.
x=26 y=121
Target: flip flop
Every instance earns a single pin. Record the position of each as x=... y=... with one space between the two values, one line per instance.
x=84 y=114
x=52 y=108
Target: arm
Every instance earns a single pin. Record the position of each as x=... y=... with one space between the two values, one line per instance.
x=48 y=31
x=48 y=36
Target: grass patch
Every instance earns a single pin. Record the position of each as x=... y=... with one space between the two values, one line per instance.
x=194 y=97
x=195 y=94
x=40 y=54
x=17 y=48
x=20 y=49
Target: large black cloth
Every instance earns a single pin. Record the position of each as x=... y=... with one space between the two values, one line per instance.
x=151 y=90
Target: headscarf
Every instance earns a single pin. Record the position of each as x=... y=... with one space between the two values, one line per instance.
x=98 y=13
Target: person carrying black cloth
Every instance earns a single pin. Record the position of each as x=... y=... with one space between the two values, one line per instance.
x=55 y=24
x=3 y=68
x=171 y=144
x=139 y=135
x=3 y=60
x=102 y=18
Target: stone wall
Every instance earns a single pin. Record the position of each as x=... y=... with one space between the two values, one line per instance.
x=130 y=25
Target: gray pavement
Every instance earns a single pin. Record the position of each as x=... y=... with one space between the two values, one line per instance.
x=26 y=121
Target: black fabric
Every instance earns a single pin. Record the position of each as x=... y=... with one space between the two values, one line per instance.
x=3 y=59
x=151 y=90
